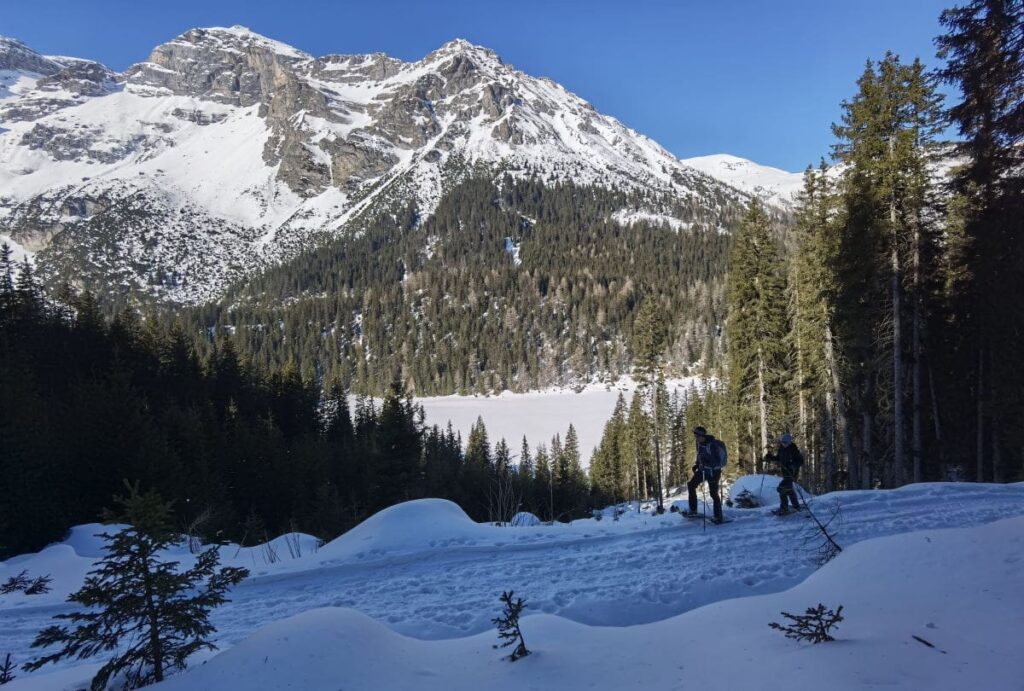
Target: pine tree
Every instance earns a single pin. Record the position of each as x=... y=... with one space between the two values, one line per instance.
x=148 y=613
x=650 y=335
x=885 y=140
x=984 y=47
x=756 y=326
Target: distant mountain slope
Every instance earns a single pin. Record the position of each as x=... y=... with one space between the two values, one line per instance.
x=225 y=152
x=773 y=184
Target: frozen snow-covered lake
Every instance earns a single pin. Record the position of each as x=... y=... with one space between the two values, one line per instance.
x=539 y=415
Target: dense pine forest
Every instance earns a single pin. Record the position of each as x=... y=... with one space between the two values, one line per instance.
x=447 y=303
x=86 y=402
x=883 y=331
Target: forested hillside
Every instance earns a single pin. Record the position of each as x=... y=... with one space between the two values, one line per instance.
x=87 y=402
x=516 y=285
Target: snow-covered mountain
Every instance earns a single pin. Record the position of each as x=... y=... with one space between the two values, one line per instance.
x=772 y=184
x=226 y=151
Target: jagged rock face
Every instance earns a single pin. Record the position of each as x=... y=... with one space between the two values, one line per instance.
x=17 y=57
x=81 y=79
x=247 y=150
x=224 y=65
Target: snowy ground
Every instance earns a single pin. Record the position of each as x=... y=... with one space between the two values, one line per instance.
x=425 y=581
x=539 y=415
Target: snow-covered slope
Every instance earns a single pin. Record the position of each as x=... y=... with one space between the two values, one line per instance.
x=424 y=580
x=226 y=150
x=774 y=185
x=935 y=610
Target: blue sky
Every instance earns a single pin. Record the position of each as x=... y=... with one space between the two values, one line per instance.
x=757 y=79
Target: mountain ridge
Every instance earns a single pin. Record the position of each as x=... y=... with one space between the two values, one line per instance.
x=268 y=148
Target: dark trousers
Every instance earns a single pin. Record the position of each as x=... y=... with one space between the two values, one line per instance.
x=787 y=493
x=700 y=476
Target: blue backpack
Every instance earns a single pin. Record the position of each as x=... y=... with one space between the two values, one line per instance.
x=719 y=455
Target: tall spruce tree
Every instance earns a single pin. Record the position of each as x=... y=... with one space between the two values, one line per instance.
x=756 y=326
x=886 y=142
x=650 y=337
x=984 y=49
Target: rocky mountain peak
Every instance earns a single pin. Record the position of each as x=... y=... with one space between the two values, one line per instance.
x=16 y=56
x=463 y=48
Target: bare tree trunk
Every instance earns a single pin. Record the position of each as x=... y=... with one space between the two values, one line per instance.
x=852 y=462
x=762 y=404
x=980 y=475
x=997 y=454
x=657 y=448
x=915 y=412
x=813 y=450
x=899 y=453
x=758 y=460
x=801 y=395
x=866 y=449
x=936 y=420
x=828 y=449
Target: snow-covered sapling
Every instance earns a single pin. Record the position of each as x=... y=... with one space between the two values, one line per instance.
x=145 y=611
x=813 y=626
x=508 y=626
x=746 y=500
x=7 y=670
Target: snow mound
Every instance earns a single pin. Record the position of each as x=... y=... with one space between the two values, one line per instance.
x=954 y=589
x=412 y=526
x=284 y=548
x=763 y=487
x=86 y=541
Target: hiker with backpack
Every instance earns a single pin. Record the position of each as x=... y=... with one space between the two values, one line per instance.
x=711 y=458
x=789 y=460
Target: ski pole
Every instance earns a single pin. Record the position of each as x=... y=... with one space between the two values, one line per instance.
x=704 y=497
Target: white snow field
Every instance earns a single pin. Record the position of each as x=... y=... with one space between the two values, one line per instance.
x=654 y=602
x=539 y=415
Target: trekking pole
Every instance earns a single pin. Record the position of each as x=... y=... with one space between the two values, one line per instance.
x=704 y=497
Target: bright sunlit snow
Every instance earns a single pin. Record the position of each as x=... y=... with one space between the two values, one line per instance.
x=405 y=600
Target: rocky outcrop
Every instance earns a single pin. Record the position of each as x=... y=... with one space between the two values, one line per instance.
x=16 y=56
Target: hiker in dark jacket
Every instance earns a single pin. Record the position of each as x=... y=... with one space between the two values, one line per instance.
x=789 y=460
x=708 y=468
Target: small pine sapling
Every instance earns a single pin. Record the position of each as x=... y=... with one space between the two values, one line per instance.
x=7 y=670
x=813 y=626
x=746 y=500
x=508 y=626
x=150 y=615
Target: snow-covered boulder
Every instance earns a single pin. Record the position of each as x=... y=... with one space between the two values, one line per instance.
x=762 y=488
x=524 y=519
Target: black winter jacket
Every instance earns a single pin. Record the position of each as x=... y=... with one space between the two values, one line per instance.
x=789 y=459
